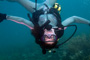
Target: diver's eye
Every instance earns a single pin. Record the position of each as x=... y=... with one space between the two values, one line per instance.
x=46 y=37
x=52 y=36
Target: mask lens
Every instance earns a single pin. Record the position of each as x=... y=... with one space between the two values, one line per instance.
x=49 y=36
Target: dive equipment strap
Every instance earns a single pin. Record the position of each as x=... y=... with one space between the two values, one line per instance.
x=30 y=19
x=36 y=5
x=46 y=23
x=46 y=6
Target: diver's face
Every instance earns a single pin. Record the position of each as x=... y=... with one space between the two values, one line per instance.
x=49 y=36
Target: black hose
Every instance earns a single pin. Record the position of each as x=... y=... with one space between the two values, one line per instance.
x=69 y=37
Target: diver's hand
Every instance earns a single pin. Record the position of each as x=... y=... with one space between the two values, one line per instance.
x=2 y=17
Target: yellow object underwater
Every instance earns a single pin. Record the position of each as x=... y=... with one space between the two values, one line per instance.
x=58 y=7
x=55 y=6
x=49 y=51
x=58 y=39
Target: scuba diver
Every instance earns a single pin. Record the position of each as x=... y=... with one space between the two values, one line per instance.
x=45 y=23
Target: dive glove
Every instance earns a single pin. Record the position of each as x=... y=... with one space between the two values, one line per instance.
x=2 y=17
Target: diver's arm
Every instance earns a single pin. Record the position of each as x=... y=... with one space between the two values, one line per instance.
x=26 y=3
x=29 y=5
x=20 y=21
x=75 y=19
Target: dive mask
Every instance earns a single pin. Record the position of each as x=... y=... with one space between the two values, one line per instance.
x=49 y=36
